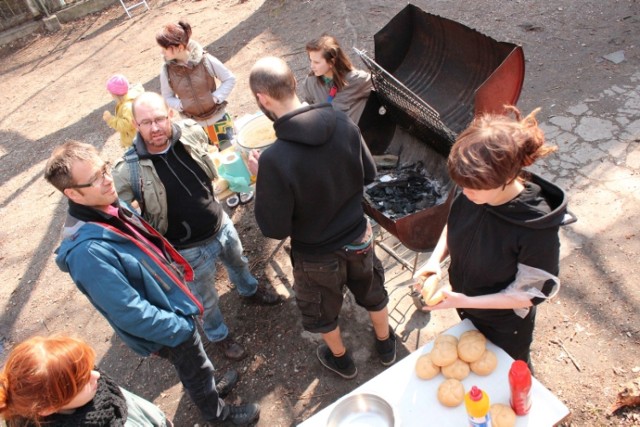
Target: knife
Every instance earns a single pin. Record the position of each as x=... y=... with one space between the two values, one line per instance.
x=408 y=282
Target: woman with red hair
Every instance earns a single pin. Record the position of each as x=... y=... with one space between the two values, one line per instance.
x=51 y=381
x=502 y=230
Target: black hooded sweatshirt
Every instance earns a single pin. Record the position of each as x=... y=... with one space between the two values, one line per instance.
x=486 y=243
x=310 y=181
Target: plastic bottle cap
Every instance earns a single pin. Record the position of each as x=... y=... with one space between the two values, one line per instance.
x=475 y=394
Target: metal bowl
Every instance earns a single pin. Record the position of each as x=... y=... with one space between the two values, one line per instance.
x=362 y=410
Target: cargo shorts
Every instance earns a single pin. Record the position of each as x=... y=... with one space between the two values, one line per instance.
x=319 y=281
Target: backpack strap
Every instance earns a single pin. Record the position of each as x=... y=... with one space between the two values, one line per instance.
x=133 y=162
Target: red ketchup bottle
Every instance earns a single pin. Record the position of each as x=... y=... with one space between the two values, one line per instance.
x=520 y=382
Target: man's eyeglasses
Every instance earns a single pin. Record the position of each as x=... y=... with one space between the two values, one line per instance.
x=98 y=179
x=159 y=121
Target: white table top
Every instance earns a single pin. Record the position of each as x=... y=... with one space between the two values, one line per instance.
x=415 y=401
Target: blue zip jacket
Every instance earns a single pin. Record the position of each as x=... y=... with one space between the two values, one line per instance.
x=142 y=294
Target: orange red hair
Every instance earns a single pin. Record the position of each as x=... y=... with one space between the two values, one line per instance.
x=492 y=151
x=42 y=374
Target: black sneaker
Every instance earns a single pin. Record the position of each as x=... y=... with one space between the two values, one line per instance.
x=342 y=366
x=387 y=349
x=263 y=297
x=242 y=415
x=225 y=383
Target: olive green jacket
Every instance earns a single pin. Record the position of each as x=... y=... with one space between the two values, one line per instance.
x=154 y=204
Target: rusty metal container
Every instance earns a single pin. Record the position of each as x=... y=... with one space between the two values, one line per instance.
x=431 y=76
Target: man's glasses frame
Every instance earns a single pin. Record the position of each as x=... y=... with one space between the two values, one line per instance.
x=159 y=121
x=97 y=180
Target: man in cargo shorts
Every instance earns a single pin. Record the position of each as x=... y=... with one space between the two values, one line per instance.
x=310 y=189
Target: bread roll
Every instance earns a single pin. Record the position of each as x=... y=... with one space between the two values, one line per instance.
x=445 y=337
x=458 y=370
x=471 y=346
x=438 y=296
x=444 y=353
x=425 y=369
x=502 y=416
x=486 y=364
x=451 y=393
x=429 y=287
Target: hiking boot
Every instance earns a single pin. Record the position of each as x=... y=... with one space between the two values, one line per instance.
x=387 y=349
x=232 y=350
x=263 y=297
x=342 y=365
x=242 y=415
x=226 y=382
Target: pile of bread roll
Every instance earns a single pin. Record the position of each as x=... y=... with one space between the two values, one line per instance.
x=455 y=359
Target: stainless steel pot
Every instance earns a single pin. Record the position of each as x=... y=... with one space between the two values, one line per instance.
x=362 y=410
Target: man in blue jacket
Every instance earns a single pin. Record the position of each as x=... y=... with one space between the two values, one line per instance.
x=135 y=278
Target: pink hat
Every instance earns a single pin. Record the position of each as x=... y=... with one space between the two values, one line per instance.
x=118 y=85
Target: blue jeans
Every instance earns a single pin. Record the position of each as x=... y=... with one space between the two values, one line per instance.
x=195 y=371
x=226 y=246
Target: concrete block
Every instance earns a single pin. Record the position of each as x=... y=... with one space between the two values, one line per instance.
x=51 y=23
x=82 y=8
x=18 y=32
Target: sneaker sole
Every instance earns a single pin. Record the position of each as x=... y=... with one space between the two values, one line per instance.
x=390 y=362
x=346 y=377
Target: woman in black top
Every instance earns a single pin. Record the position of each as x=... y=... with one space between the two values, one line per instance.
x=504 y=221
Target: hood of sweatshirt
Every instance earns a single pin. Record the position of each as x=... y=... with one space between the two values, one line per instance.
x=540 y=205
x=313 y=128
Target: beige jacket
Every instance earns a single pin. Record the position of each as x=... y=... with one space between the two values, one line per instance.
x=154 y=207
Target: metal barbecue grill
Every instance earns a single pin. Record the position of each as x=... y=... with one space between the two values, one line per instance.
x=408 y=108
x=431 y=76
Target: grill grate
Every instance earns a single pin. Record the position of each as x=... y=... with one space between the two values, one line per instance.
x=409 y=110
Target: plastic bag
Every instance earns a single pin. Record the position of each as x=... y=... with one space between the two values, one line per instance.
x=529 y=284
x=232 y=168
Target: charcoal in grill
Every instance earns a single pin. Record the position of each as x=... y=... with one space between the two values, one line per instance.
x=402 y=191
x=431 y=76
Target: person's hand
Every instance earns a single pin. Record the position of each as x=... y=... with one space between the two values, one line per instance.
x=427 y=280
x=431 y=268
x=252 y=162
x=106 y=116
x=451 y=300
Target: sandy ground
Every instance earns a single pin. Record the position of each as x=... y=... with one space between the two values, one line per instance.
x=588 y=338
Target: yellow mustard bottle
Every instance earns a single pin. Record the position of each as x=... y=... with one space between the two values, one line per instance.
x=477 y=403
